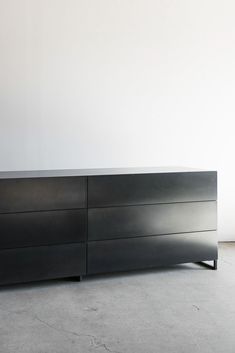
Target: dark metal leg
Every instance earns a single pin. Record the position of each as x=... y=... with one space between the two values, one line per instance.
x=215 y=264
x=213 y=267
x=74 y=278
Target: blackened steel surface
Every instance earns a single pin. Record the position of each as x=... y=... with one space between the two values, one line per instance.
x=20 y=195
x=148 y=252
x=42 y=228
x=44 y=220
x=43 y=262
x=132 y=221
x=151 y=188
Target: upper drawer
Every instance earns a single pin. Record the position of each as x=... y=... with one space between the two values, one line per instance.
x=35 y=194
x=115 y=190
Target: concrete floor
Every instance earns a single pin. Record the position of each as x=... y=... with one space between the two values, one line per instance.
x=179 y=309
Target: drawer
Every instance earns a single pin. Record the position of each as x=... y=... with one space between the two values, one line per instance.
x=44 y=262
x=42 y=228
x=133 y=221
x=116 y=190
x=153 y=251
x=36 y=194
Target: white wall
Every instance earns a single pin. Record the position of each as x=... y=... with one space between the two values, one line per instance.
x=98 y=83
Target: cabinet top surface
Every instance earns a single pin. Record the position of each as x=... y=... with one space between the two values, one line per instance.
x=94 y=172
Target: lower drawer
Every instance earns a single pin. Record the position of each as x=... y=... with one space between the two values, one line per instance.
x=44 y=262
x=42 y=228
x=152 y=251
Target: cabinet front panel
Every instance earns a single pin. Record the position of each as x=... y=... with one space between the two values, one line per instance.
x=116 y=190
x=133 y=221
x=44 y=262
x=42 y=228
x=20 y=195
x=147 y=252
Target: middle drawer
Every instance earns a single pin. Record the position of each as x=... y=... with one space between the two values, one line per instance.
x=133 y=221
x=42 y=228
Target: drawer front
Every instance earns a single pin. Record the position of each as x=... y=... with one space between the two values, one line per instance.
x=42 y=228
x=133 y=221
x=116 y=190
x=20 y=195
x=44 y=262
x=147 y=252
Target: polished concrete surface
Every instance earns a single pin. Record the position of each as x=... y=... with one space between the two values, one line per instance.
x=179 y=309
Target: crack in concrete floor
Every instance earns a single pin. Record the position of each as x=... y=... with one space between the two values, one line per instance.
x=95 y=341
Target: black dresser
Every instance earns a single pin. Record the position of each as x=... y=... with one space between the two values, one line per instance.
x=67 y=223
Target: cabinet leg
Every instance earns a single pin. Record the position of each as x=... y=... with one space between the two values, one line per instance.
x=215 y=264
x=74 y=278
x=213 y=267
